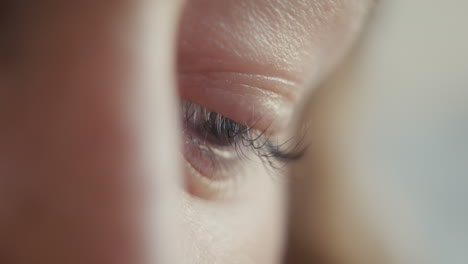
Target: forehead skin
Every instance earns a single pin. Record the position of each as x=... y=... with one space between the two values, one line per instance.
x=297 y=40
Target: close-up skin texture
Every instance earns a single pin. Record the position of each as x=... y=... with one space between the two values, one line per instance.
x=253 y=62
x=108 y=112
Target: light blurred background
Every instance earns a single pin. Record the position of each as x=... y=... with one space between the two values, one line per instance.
x=386 y=178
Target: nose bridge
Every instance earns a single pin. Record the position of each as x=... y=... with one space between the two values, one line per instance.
x=157 y=117
x=73 y=165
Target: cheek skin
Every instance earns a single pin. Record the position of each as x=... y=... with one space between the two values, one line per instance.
x=244 y=229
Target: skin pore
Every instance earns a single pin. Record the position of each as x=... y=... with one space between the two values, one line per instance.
x=70 y=189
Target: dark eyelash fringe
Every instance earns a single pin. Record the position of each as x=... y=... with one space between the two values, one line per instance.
x=277 y=155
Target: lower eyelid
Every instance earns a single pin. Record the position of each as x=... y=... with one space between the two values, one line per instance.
x=205 y=188
x=213 y=163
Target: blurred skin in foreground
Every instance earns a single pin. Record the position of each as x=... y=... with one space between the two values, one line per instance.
x=153 y=132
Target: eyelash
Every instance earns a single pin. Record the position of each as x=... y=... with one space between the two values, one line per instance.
x=220 y=131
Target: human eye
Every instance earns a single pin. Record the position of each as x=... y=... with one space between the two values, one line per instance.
x=219 y=150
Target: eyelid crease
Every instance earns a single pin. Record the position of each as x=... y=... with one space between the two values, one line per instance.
x=284 y=87
x=249 y=99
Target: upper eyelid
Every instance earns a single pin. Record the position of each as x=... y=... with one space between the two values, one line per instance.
x=245 y=98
